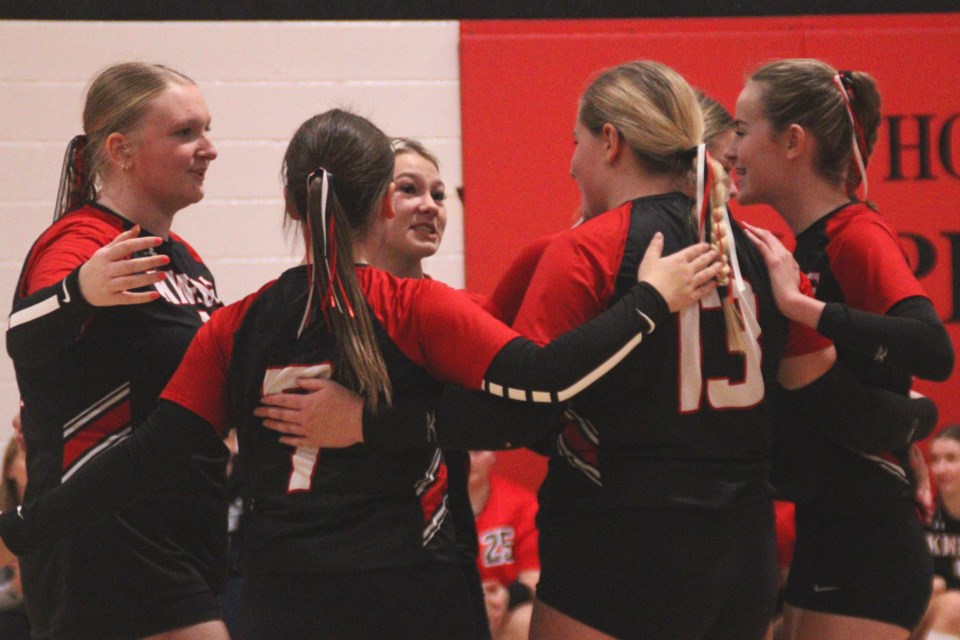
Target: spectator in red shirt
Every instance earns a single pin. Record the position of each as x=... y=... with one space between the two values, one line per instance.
x=508 y=561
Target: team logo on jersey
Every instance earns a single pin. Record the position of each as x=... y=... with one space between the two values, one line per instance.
x=944 y=545
x=181 y=289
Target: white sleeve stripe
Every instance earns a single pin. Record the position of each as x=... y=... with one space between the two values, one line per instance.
x=565 y=394
x=31 y=313
x=649 y=321
x=98 y=408
x=516 y=394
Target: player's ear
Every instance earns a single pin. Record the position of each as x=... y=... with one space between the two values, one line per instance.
x=613 y=142
x=386 y=204
x=796 y=140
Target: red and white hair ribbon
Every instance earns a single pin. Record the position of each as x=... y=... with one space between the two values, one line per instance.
x=855 y=133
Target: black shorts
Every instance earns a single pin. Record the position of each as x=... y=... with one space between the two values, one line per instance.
x=678 y=573
x=873 y=565
x=153 y=617
x=421 y=602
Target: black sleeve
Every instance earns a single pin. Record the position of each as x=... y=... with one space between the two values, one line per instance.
x=522 y=370
x=118 y=477
x=910 y=337
x=859 y=417
x=47 y=321
x=524 y=383
x=461 y=419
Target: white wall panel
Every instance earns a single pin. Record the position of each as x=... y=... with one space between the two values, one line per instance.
x=261 y=80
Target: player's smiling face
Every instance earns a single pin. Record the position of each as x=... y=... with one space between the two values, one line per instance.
x=718 y=149
x=756 y=153
x=945 y=466
x=171 y=149
x=419 y=201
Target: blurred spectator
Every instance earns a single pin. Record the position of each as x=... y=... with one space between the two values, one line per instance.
x=942 y=619
x=13 y=617
x=508 y=560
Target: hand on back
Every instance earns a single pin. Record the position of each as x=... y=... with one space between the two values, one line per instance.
x=682 y=278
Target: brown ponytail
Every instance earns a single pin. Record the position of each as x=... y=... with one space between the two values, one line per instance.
x=76 y=185
x=337 y=168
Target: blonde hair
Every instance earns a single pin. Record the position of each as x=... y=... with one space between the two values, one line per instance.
x=716 y=119
x=409 y=145
x=652 y=107
x=803 y=91
x=117 y=100
x=658 y=114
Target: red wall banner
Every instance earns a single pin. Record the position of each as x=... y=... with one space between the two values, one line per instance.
x=520 y=81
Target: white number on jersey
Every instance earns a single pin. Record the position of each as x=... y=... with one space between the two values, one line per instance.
x=303 y=460
x=722 y=393
x=496 y=546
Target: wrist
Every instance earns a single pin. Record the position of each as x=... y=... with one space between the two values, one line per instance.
x=72 y=293
x=803 y=309
x=519 y=594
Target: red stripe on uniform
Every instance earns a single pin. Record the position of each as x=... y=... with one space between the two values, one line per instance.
x=578 y=443
x=432 y=498
x=96 y=432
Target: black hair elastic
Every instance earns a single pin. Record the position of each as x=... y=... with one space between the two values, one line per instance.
x=689 y=155
x=73 y=179
x=846 y=78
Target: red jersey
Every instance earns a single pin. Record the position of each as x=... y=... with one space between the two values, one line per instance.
x=507 y=532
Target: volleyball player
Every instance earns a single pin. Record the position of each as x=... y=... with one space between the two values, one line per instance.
x=804 y=135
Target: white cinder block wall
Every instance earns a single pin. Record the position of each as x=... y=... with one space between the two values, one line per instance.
x=261 y=80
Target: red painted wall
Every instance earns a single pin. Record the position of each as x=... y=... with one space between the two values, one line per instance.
x=520 y=81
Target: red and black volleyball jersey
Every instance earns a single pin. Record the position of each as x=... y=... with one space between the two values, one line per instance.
x=334 y=510
x=685 y=422
x=943 y=539
x=508 y=296
x=87 y=376
x=852 y=256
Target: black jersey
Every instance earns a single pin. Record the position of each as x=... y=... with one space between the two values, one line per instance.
x=87 y=376
x=943 y=538
x=684 y=422
x=344 y=510
x=852 y=256
x=326 y=511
